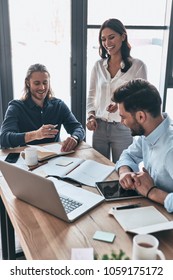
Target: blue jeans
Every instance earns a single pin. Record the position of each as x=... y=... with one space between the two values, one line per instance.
x=111 y=138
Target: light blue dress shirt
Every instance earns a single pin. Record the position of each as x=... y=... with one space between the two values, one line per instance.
x=156 y=153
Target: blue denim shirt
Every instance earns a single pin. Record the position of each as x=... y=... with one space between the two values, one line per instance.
x=156 y=153
x=23 y=116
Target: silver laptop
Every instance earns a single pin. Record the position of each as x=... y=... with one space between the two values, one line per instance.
x=54 y=196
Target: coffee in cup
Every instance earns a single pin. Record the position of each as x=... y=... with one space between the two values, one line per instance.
x=145 y=247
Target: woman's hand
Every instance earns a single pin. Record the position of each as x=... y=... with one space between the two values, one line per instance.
x=112 y=108
x=91 y=124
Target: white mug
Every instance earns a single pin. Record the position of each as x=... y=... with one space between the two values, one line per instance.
x=145 y=247
x=31 y=156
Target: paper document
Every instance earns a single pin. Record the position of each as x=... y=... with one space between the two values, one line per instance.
x=141 y=220
x=86 y=172
x=82 y=253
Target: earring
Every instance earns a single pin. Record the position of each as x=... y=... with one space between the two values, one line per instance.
x=122 y=64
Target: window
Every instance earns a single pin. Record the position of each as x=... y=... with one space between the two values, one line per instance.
x=169 y=102
x=133 y=12
x=40 y=33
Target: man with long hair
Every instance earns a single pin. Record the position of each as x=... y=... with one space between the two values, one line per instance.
x=38 y=116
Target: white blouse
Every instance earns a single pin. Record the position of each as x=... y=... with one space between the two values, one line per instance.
x=102 y=86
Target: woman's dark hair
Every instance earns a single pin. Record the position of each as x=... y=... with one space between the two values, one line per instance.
x=139 y=95
x=118 y=27
x=35 y=68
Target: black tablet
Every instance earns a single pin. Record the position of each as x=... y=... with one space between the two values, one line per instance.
x=112 y=190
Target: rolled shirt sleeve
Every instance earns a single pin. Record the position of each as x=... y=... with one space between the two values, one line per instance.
x=168 y=202
x=132 y=156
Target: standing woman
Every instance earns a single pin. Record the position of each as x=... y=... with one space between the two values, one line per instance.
x=115 y=67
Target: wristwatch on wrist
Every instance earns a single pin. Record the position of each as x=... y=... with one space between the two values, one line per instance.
x=76 y=138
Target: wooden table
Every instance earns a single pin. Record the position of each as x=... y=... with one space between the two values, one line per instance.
x=43 y=236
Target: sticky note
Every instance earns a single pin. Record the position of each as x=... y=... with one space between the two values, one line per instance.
x=82 y=254
x=104 y=236
x=62 y=161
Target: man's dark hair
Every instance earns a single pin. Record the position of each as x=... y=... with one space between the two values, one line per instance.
x=139 y=95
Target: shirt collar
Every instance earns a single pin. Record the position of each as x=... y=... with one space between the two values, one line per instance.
x=105 y=65
x=105 y=62
x=154 y=136
x=32 y=104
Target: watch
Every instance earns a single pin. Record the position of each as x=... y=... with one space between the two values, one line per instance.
x=76 y=138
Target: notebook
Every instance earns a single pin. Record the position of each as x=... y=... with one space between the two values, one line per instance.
x=85 y=172
x=47 y=194
x=142 y=220
x=49 y=151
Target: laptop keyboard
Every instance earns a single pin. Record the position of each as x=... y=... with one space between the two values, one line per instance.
x=69 y=204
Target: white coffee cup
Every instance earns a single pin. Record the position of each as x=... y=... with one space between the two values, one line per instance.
x=145 y=247
x=31 y=156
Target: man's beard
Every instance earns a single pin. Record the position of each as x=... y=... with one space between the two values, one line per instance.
x=138 y=130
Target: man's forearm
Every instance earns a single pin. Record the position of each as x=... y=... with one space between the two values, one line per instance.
x=30 y=136
x=124 y=169
x=157 y=195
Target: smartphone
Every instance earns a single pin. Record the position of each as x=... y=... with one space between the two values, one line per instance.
x=112 y=190
x=12 y=157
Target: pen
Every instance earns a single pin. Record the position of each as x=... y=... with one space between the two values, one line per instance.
x=59 y=164
x=72 y=169
x=128 y=206
x=55 y=126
